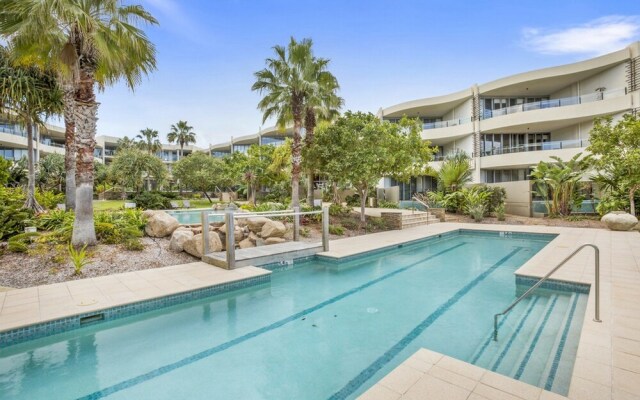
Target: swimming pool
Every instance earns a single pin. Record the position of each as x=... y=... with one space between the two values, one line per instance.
x=319 y=330
x=194 y=217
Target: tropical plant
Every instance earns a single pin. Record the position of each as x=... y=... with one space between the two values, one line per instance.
x=500 y=212
x=285 y=84
x=125 y=142
x=100 y=38
x=557 y=183
x=13 y=218
x=5 y=171
x=617 y=158
x=454 y=172
x=336 y=230
x=199 y=172
x=475 y=202
x=148 y=140
x=182 y=134
x=20 y=242
x=49 y=199
x=28 y=95
x=131 y=167
x=51 y=172
x=152 y=201
x=79 y=258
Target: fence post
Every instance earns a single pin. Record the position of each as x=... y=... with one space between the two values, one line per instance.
x=204 y=220
x=230 y=238
x=296 y=224
x=325 y=228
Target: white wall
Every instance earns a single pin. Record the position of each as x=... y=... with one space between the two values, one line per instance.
x=462 y=111
x=612 y=79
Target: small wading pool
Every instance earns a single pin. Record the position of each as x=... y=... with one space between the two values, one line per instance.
x=319 y=330
x=194 y=217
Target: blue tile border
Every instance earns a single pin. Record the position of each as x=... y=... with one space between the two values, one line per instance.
x=525 y=282
x=39 y=330
x=563 y=340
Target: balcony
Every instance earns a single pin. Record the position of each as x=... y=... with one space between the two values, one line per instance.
x=555 y=103
x=108 y=152
x=555 y=145
x=446 y=124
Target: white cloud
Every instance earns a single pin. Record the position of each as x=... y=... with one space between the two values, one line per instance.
x=600 y=36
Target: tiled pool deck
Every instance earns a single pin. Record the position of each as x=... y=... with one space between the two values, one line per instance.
x=608 y=362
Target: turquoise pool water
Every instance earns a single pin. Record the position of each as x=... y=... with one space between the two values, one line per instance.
x=194 y=217
x=318 y=330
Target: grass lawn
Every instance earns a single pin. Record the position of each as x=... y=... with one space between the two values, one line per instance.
x=103 y=205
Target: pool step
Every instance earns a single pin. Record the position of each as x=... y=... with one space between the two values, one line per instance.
x=417 y=219
x=531 y=340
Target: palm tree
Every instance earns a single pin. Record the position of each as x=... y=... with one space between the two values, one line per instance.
x=455 y=172
x=321 y=104
x=29 y=95
x=557 y=182
x=182 y=134
x=100 y=38
x=286 y=86
x=149 y=140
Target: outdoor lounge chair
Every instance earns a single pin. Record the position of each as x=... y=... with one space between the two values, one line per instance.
x=174 y=204
x=186 y=204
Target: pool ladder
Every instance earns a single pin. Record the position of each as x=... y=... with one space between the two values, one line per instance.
x=534 y=287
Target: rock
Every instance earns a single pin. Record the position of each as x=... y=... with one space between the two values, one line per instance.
x=245 y=244
x=274 y=240
x=620 y=221
x=179 y=237
x=148 y=213
x=193 y=246
x=255 y=224
x=273 y=229
x=253 y=237
x=237 y=233
x=160 y=224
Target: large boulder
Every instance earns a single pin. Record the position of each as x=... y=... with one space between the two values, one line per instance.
x=620 y=221
x=148 y=213
x=255 y=224
x=274 y=240
x=245 y=244
x=179 y=237
x=160 y=224
x=193 y=246
x=253 y=237
x=238 y=234
x=273 y=229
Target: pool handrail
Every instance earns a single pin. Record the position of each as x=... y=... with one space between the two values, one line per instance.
x=544 y=278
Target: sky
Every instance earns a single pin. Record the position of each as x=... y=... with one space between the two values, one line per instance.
x=382 y=52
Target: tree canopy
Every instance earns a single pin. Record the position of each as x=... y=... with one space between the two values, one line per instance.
x=359 y=149
x=201 y=172
x=617 y=156
x=131 y=167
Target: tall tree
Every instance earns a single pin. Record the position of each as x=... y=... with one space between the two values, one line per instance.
x=321 y=104
x=617 y=150
x=132 y=167
x=285 y=84
x=148 y=140
x=200 y=172
x=102 y=39
x=182 y=134
x=28 y=95
x=359 y=149
x=454 y=172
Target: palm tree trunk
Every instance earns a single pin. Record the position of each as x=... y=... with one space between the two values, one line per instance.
x=85 y=116
x=295 y=164
x=310 y=125
x=31 y=201
x=69 y=148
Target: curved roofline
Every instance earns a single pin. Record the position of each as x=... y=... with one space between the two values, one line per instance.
x=583 y=66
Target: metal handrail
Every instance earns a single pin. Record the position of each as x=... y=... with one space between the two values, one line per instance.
x=421 y=202
x=544 y=278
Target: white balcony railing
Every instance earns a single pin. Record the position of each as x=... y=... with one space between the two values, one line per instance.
x=445 y=124
x=554 y=103
x=555 y=145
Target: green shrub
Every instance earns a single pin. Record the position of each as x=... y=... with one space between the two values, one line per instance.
x=121 y=227
x=55 y=219
x=13 y=218
x=49 y=199
x=20 y=243
x=376 y=224
x=387 y=204
x=338 y=210
x=500 y=212
x=269 y=206
x=475 y=202
x=477 y=211
x=336 y=230
x=350 y=223
x=353 y=200
x=79 y=258
x=305 y=232
x=152 y=201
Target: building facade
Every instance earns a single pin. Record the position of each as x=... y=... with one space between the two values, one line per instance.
x=509 y=125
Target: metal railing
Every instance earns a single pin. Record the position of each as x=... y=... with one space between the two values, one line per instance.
x=551 y=145
x=446 y=124
x=554 y=103
x=229 y=220
x=415 y=198
x=544 y=278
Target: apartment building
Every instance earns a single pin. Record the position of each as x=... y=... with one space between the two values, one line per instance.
x=268 y=136
x=508 y=125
